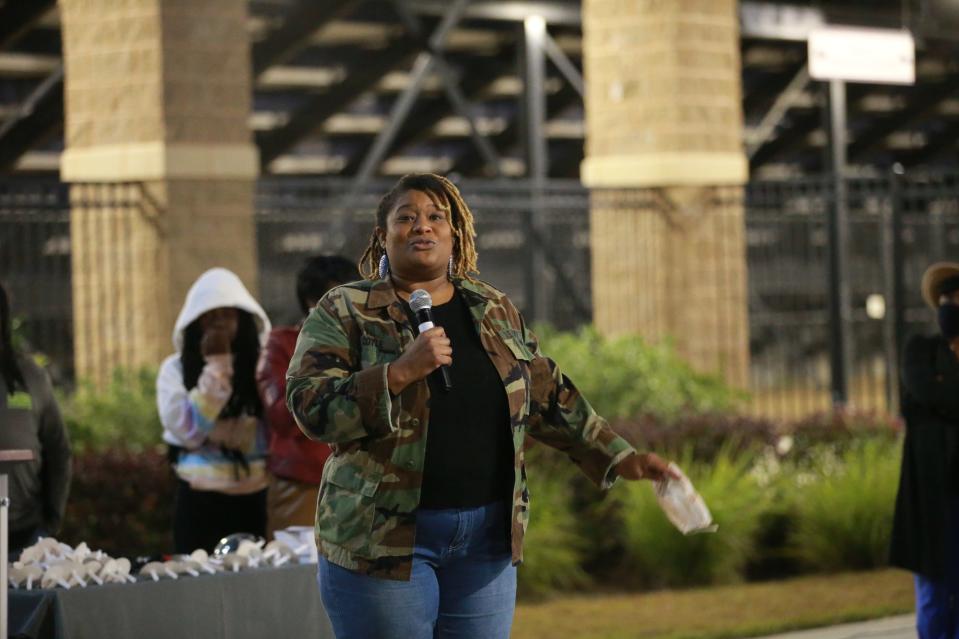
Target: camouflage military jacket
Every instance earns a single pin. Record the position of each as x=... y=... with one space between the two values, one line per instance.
x=337 y=391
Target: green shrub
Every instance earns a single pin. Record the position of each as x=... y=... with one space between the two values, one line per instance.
x=707 y=433
x=702 y=435
x=554 y=548
x=843 y=506
x=18 y=334
x=842 y=429
x=121 y=495
x=124 y=414
x=658 y=555
x=21 y=344
x=627 y=377
x=121 y=502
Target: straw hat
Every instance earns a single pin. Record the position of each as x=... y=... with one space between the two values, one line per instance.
x=933 y=278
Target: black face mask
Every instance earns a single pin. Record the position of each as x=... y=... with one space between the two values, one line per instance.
x=949 y=320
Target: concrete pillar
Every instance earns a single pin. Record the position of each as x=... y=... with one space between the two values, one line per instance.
x=665 y=159
x=157 y=98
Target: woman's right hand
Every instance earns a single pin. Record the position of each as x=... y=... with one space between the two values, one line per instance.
x=215 y=384
x=430 y=350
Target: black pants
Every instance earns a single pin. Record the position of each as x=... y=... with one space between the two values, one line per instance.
x=201 y=517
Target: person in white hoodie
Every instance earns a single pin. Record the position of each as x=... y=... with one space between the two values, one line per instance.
x=211 y=413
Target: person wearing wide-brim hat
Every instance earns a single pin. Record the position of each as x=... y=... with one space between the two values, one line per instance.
x=925 y=538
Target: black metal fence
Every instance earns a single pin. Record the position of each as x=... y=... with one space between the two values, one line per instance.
x=897 y=226
x=300 y=218
x=35 y=265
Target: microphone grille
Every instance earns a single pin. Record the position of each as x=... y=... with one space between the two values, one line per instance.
x=420 y=299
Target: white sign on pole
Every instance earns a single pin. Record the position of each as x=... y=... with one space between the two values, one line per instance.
x=858 y=54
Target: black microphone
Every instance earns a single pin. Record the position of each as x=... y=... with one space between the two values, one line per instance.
x=422 y=306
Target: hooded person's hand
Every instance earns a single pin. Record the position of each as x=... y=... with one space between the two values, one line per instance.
x=215 y=384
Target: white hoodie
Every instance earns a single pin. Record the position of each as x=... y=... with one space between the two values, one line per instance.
x=189 y=417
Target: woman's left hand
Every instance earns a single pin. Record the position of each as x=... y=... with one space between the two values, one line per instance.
x=645 y=466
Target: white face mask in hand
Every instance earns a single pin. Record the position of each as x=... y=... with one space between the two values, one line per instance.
x=683 y=506
x=216 y=380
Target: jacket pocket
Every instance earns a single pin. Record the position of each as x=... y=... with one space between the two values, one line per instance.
x=514 y=342
x=344 y=514
x=377 y=349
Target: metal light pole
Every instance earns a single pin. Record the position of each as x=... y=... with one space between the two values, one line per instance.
x=840 y=311
x=838 y=55
x=537 y=158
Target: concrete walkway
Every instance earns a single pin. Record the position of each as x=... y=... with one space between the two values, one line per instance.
x=900 y=627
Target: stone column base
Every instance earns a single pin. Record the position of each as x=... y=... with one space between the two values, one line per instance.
x=136 y=249
x=670 y=263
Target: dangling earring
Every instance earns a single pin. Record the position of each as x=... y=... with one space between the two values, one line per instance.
x=384 y=266
x=449 y=268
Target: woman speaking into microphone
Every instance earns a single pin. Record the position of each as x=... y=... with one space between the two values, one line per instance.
x=423 y=506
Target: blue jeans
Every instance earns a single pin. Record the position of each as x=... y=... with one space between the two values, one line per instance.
x=937 y=602
x=463 y=583
x=936 y=614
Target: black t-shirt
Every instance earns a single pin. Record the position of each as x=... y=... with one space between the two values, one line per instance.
x=469 y=446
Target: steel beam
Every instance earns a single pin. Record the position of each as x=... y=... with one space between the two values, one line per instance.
x=564 y=64
x=777 y=111
x=298 y=27
x=560 y=13
x=451 y=85
x=17 y=17
x=425 y=63
x=477 y=76
x=469 y=161
x=764 y=20
x=318 y=108
x=778 y=21
x=943 y=142
x=923 y=99
x=464 y=110
x=803 y=122
x=39 y=116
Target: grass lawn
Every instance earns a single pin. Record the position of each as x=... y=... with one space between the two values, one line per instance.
x=720 y=612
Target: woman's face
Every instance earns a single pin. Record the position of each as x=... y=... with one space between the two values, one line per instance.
x=223 y=319
x=418 y=238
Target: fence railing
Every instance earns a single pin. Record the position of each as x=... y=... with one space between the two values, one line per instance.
x=534 y=243
x=299 y=218
x=35 y=265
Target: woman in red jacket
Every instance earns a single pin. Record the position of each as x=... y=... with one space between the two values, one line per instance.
x=295 y=462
